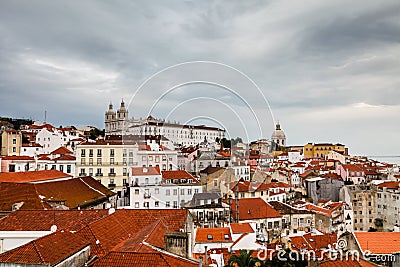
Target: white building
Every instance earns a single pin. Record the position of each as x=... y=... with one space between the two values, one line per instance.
x=241 y=171
x=51 y=139
x=118 y=122
x=149 y=189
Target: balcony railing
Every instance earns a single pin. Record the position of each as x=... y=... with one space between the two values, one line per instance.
x=111 y=185
x=112 y=174
x=99 y=174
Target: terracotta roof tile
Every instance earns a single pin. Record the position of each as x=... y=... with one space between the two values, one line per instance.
x=253 y=208
x=178 y=174
x=143 y=171
x=50 y=249
x=42 y=220
x=61 y=151
x=24 y=158
x=75 y=192
x=390 y=185
x=379 y=242
x=240 y=228
x=213 y=235
x=32 y=176
x=128 y=259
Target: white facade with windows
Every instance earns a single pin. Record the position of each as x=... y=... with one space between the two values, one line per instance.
x=51 y=140
x=118 y=122
x=147 y=190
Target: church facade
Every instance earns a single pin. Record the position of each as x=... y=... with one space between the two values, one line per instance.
x=117 y=122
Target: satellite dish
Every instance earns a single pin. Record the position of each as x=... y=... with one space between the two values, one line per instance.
x=53 y=228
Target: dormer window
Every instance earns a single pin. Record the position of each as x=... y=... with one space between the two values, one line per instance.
x=226 y=236
x=209 y=237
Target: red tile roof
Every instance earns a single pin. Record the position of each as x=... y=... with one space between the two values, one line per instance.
x=50 y=249
x=378 y=242
x=143 y=171
x=389 y=185
x=43 y=220
x=65 y=158
x=213 y=235
x=24 y=158
x=178 y=174
x=32 y=176
x=240 y=228
x=128 y=259
x=313 y=242
x=112 y=232
x=352 y=167
x=253 y=208
x=61 y=151
x=77 y=192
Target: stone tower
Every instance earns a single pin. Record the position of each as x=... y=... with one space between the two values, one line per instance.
x=110 y=119
x=122 y=116
x=278 y=137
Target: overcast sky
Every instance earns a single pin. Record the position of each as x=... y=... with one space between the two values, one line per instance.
x=330 y=70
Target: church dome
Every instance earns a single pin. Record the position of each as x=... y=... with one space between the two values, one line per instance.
x=278 y=134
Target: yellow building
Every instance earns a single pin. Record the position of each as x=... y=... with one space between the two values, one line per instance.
x=11 y=142
x=322 y=150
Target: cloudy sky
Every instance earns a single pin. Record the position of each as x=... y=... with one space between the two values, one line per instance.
x=328 y=71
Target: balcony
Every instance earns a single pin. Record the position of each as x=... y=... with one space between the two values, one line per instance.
x=99 y=174
x=82 y=174
x=112 y=174
x=111 y=186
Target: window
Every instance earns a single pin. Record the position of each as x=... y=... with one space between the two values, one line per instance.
x=369 y=204
x=14 y=141
x=269 y=225
x=164 y=158
x=130 y=153
x=242 y=195
x=167 y=192
x=151 y=158
x=156 y=191
x=111 y=181
x=111 y=161
x=90 y=171
x=111 y=152
x=53 y=167
x=124 y=181
x=81 y=173
x=14 y=149
x=112 y=171
x=68 y=168
x=157 y=158
x=144 y=158
x=124 y=172
x=90 y=152
x=253 y=194
x=175 y=204
x=182 y=192
x=61 y=168
x=99 y=152
x=146 y=204
x=98 y=161
x=215 y=182
x=136 y=191
x=83 y=162
x=189 y=191
x=146 y=180
x=167 y=204
x=196 y=191
x=175 y=192
x=124 y=152
x=156 y=204
x=136 y=204
x=83 y=153
x=98 y=171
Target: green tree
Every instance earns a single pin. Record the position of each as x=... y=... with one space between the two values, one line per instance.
x=244 y=259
